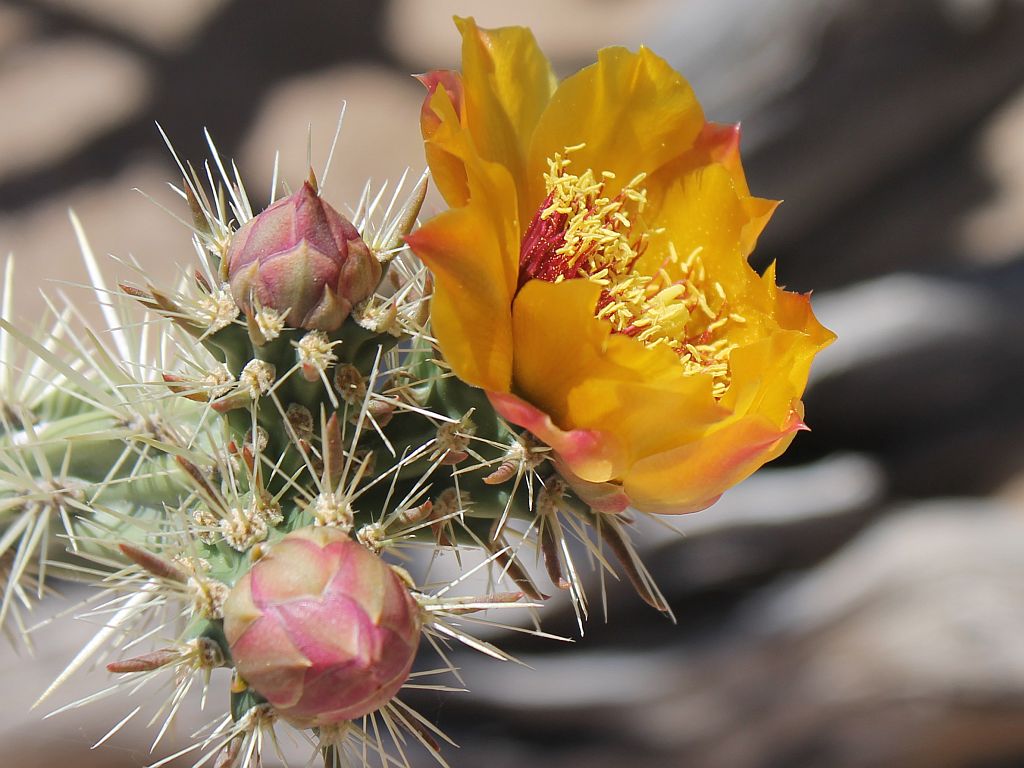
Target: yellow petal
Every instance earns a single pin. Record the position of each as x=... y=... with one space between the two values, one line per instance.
x=442 y=103
x=472 y=253
x=767 y=374
x=693 y=476
x=704 y=211
x=470 y=313
x=647 y=418
x=632 y=110
x=507 y=83
x=720 y=144
x=557 y=344
x=716 y=144
x=607 y=498
x=569 y=364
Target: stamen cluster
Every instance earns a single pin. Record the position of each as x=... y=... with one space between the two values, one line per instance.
x=581 y=232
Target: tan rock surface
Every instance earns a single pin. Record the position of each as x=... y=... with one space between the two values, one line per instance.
x=117 y=219
x=53 y=113
x=15 y=26
x=423 y=35
x=379 y=137
x=163 y=24
x=995 y=231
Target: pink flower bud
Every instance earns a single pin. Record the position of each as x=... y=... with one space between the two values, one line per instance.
x=301 y=258
x=322 y=628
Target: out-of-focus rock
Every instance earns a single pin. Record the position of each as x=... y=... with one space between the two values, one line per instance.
x=161 y=24
x=117 y=219
x=901 y=650
x=217 y=79
x=779 y=497
x=382 y=110
x=56 y=114
x=883 y=319
x=775 y=522
x=15 y=28
x=742 y=55
x=892 y=131
x=570 y=32
x=859 y=115
x=994 y=232
x=927 y=375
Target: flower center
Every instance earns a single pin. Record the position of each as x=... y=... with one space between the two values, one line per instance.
x=580 y=232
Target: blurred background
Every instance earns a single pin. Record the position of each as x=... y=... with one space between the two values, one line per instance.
x=858 y=603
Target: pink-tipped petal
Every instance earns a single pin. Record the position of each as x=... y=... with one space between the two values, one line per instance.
x=607 y=498
x=592 y=455
x=448 y=80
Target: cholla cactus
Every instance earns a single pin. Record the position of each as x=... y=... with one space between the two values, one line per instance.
x=237 y=476
x=240 y=471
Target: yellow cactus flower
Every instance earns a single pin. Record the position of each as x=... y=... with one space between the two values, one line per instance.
x=591 y=273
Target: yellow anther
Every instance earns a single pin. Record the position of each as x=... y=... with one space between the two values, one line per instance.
x=604 y=238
